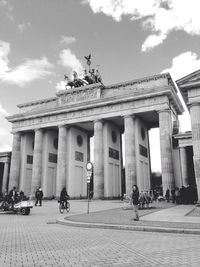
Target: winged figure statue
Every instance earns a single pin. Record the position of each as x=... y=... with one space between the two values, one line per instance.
x=88 y=58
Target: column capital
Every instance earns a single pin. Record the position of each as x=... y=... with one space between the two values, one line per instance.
x=194 y=104
x=38 y=129
x=99 y=120
x=129 y=116
x=62 y=126
x=16 y=132
x=164 y=110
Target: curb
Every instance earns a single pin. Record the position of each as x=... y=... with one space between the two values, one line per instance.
x=64 y=221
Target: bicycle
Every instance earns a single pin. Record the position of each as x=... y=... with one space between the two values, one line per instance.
x=64 y=205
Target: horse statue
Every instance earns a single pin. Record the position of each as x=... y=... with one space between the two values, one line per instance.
x=69 y=82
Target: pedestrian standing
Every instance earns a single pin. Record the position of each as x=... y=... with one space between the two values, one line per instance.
x=13 y=196
x=167 y=195
x=173 y=195
x=38 y=196
x=135 y=201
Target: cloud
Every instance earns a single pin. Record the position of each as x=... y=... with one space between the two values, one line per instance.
x=160 y=17
x=30 y=70
x=68 y=59
x=3 y=112
x=4 y=51
x=183 y=65
x=5 y=136
x=118 y=8
x=22 y=27
x=67 y=40
x=5 y=140
x=8 y=9
x=60 y=86
x=152 y=41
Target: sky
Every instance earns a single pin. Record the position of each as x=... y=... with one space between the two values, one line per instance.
x=41 y=40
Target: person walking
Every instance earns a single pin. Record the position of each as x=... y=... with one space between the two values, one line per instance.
x=38 y=196
x=135 y=201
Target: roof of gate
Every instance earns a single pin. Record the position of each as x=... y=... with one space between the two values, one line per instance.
x=187 y=82
x=148 y=87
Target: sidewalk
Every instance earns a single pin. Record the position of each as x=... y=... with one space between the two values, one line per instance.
x=162 y=217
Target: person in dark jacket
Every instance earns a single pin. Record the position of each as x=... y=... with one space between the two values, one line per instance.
x=38 y=196
x=173 y=195
x=64 y=196
x=135 y=201
x=167 y=195
x=12 y=196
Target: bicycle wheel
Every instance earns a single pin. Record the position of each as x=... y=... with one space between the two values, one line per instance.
x=68 y=207
x=61 y=207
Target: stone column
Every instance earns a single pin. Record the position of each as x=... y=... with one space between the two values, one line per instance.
x=61 y=179
x=98 y=160
x=15 y=161
x=88 y=147
x=5 y=177
x=130 y=157
x=165 y=125
x=184 y=169
x=195 y=121
x=37 y=162
x=122 y=165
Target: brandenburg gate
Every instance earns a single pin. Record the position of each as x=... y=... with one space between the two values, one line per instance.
x=51 y=137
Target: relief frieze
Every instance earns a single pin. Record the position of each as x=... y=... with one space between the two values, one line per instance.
x=110 y=109
x=79 y=96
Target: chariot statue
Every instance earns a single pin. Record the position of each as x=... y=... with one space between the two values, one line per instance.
x=90 y=76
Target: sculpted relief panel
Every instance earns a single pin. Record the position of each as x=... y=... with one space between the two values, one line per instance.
x=79 y=96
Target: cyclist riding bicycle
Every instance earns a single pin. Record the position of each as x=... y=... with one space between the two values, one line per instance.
x=64 y=197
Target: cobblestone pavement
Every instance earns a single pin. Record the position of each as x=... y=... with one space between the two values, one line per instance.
x=31 y=241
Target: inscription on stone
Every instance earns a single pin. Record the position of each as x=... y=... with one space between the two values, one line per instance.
x=78 y=156
x=29 y=159
x=113 y=153
x=79 y=96
x=52 y=158
x=143 y=151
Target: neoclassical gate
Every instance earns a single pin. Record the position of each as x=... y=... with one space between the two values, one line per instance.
x=51 y=137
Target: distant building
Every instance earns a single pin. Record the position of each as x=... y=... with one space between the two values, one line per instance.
x=4 y=170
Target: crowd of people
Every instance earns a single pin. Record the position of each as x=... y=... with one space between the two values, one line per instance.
x=145 y=198
x=12 y=197
x=183 y=195
x=141 y=200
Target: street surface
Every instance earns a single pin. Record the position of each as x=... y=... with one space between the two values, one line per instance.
x=35 y=240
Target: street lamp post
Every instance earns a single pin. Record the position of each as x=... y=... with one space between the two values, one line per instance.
x=89 y=167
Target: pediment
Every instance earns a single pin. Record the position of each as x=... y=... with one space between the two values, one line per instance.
x=192 y=79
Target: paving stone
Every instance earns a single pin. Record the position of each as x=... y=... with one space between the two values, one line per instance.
x=27 y=241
